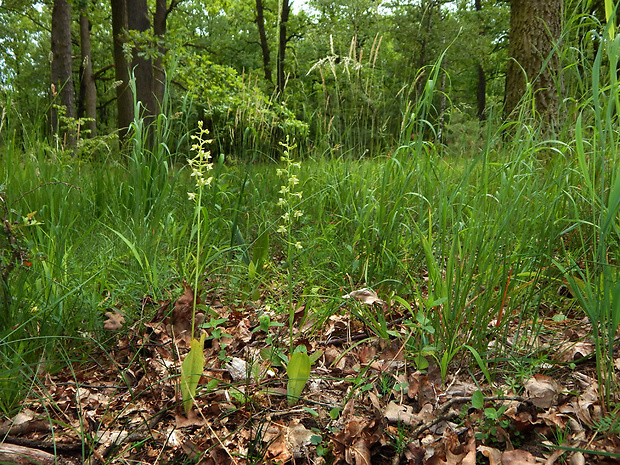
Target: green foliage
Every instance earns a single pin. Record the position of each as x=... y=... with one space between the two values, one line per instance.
x=298 y=371
x=241 y=116
x=191 y=371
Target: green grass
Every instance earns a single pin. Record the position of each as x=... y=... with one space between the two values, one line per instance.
x=472 y=239
x=474 y=243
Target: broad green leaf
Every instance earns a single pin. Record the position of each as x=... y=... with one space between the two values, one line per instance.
x=420 y=362
x=191 y=371
x=298 y=371
x=477 y=399
x=334 y=413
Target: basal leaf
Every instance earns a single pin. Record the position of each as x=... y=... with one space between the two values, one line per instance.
x=298 y=371
x=191 y=371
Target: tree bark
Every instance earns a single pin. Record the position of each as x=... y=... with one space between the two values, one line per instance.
x=124 y=99
x=88 y=89
x=284 y=14
x=61 y=72
x=535 y=28
x=138 y=20
x=260 y=22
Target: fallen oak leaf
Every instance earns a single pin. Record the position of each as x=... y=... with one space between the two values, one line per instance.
x=542 y=390
x=401 y=413
x=114 y=321
x=298 y=439
x=517 y=457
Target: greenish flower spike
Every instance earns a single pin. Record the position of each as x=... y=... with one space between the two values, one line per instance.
x=289 y=202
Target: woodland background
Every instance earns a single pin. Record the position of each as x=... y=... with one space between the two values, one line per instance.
x=351 y=231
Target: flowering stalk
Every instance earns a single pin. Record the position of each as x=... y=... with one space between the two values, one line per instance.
x=288 y=202
x=193 y=364
x=200 y=165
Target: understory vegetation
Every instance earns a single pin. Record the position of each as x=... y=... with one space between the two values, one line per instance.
x=467 y=256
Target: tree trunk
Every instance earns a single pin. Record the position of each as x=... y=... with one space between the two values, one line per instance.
x=124 y=99
x=138 y=20
x=481 y=94
x=260 y=22
x=88 y=90
x=535 y=28
x=159 y=75
x=426 y=24
x=284 y=13
x=61 y=73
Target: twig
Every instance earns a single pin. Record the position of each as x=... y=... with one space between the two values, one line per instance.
x=43 y=184
x=358 y=336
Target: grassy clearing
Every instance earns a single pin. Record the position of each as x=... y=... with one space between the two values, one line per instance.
x=463 y=248
x=472 y=239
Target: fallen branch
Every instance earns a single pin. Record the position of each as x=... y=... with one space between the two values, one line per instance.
x=20 y=455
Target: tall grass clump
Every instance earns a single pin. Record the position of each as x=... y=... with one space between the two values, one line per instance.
x=45 y=295
x=147 y=192
x=591 y=267
x=351 y=114
x=471 y=239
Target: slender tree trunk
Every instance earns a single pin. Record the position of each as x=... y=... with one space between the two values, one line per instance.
x=159 y=75
x=61 y=72
x=284 y=14
x=138 y=20
x=426 y=23
x=124 y=99
x=260 y=22
x=535 y=28
x=481 y=94
x=88 y=90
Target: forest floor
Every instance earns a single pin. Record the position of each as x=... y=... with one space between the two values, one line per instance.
x=365 y=402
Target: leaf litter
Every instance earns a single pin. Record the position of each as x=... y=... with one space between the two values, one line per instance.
x=365 y=402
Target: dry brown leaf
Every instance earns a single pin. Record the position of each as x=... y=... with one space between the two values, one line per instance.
x=190 y=449
x=242 y=331
x=569 y=351
x=365 y=295
x=542 y=390
x=112 y=437
x=494 y=455
x=299 y=439
x=278 y=450
x=361 y=453
x=470 y=448
x=238 y=369
x=458 y=453
x=367 y=353
x=415 y=455
x=401 y=413
x=192 y=419
x=23 y=423
x=517 y=457
x=577 y=459
x=182 y=314
x=114 y=321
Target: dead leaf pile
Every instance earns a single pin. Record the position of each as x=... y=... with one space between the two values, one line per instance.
x=365 y=403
